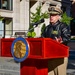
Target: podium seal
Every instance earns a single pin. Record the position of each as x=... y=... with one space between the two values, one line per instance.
x=20 y=49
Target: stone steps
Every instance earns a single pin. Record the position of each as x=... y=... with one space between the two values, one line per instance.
x=72 y=54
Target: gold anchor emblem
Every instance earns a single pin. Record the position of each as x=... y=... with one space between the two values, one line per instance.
x=19 y=49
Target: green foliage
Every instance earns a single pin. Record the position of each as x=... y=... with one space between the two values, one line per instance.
x=43 y=27
x=35 y=17
x=31 y=34
x=73 y=38
x=31 y=28
x=1 y=18
x=66 y=19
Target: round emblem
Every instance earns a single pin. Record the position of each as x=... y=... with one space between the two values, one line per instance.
x=20 y=49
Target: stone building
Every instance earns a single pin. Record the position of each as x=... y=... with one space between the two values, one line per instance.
x=15 y=15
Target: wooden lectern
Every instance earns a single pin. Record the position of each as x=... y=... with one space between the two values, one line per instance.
x=41 y=49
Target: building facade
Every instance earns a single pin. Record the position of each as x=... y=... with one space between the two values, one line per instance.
x=14 y=17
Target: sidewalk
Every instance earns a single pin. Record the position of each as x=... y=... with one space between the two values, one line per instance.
x=71 y=67
x=71 y=61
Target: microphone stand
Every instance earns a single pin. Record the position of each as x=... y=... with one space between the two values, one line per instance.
x=31 y=29
x=36 y=24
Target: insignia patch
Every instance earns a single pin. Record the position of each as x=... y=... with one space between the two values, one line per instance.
x=55 y=32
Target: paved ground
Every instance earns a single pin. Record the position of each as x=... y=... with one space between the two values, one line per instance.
x=71 y=67
x=71 y=61
x=8 y=66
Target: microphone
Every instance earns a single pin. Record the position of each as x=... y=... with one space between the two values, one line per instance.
x=36 y=23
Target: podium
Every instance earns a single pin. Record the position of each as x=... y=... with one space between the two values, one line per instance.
x=41 y=50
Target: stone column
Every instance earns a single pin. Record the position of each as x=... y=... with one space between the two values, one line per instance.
x=16 y=16
x=24 y=15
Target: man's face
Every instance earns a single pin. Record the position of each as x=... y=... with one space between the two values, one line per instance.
x=54 y=18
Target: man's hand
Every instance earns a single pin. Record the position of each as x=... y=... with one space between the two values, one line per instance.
x=58 y=39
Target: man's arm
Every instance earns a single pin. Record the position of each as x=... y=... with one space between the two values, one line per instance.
x=65 y=34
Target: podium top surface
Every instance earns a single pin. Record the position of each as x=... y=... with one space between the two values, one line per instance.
x=39 y=48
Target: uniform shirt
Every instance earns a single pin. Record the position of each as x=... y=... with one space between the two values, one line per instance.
x=58 y=30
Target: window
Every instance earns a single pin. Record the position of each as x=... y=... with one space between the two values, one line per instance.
x=1 y=29
x=6 y=4
x=6 y=27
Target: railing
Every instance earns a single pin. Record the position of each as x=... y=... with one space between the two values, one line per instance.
x=13 y=33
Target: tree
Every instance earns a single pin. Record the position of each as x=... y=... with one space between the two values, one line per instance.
x=66 y=19
x=35 y=17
